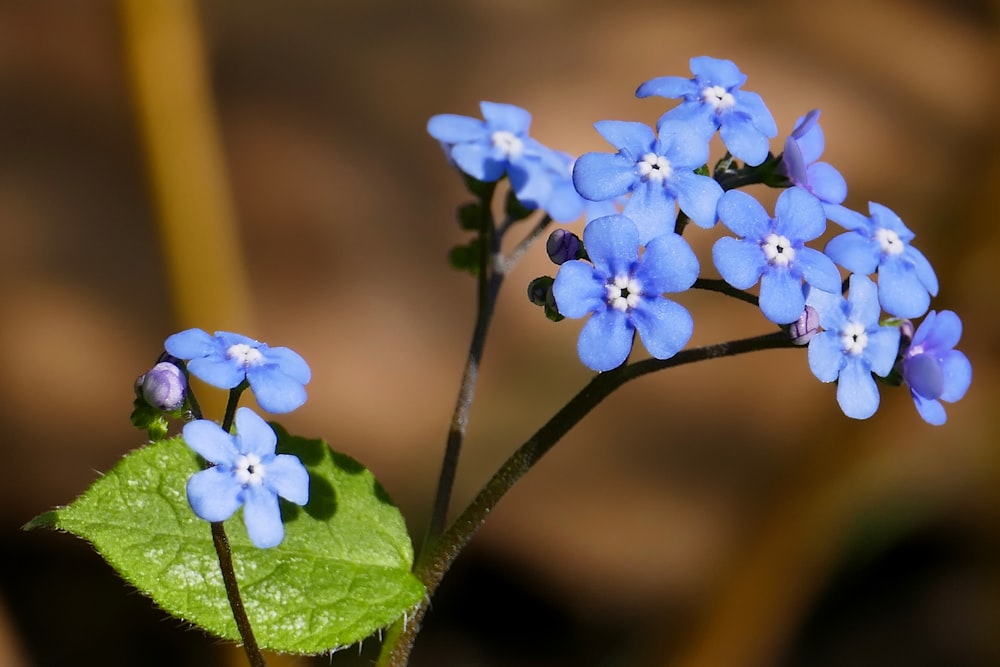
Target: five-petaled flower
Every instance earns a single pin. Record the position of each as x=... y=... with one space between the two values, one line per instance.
x=497 y=145
x=713 y=101
x=906 y=280
x=624 y=291
x=933 y=369
x=853 y=345
x=800 y=162
x=277 y=375
x=656 y=169
x=247 y=473
x=773 y=251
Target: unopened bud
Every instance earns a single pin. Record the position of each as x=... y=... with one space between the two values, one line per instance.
x=163 y=387
x=803 y=329
x=562 y=246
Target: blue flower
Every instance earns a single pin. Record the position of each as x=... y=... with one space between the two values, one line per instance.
x=624 y=292
x=932 y=369
x=906 y=280
x=487 y=149
x=658 y=171
x=560 y=198
x=277 y=375
x=852 y=345
x=800 y=163
x=247 y=473
x=713 y=101
x=773 y=251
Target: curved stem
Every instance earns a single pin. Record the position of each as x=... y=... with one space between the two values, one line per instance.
x=435 y=561
x=221 y=542
x=515 y=255
x=722 y=287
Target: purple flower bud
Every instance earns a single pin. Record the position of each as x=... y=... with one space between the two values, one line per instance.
x=562 y=246
x=163 y=387
x=906 y=330
x=803 y=329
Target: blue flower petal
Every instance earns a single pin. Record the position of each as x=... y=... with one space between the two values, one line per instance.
x=653 y=210
x=900 y=290
x=743 y=139
x=452 y=128
x=286 y=476
x=668 y=265
x=923 y=269
x=924 y=375
x=578 y=290
x=863 y=300
x=740 y=263
x=210 y=441
x=882 y=348
x=957 y=376
x=262 y=516
x=698 y=196
x=477 y=160
x=753 y=105
x=612 y=243
x=664 y=327
x=291 y=363
x=799 y=215
x=854 y=252
x=848 y=219
x=744 y=215
x=930 y=410
x=605 y=340
x=604 y=176
x=830 y=306
x=506 y=117
x=939 y=331
x=781 y=298
x=214 y=494
x=668 y=86
x=826 y=183
x=632 y=138
x=255 y=435
x=818 y=270
x=857 y=392
x=826 y=356
x=716 y=72
x=190 y=344
x=275 y=391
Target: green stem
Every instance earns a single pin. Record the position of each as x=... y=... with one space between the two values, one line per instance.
x=435 y=561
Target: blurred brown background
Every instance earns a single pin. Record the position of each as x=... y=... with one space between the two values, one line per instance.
x=723 y=514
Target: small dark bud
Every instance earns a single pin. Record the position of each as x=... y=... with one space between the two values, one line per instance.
x=563 y=246
x=540 y=291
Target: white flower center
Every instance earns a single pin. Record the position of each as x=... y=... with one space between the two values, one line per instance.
x=718 y=97
x=249 y=470
x=244 y=354
x=778 y=250
x=507 y=143
x=854 y=338
x=653 y=167
x=890 y=241
x=623 y=293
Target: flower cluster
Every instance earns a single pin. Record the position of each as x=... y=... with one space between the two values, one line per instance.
x=244 y=469
x=656 y=180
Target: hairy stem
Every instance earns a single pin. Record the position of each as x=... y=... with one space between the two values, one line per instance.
x=435 y=560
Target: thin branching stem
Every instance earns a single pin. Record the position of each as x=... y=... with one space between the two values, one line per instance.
x=722 y=287
x=435 y=561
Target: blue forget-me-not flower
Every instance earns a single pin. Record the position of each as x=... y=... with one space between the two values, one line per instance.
x=906 y=280
x=712 y=101
x=773 y=251
x=656 y=169
x=852 y=345
x=277 y=375
x=247 y=473
x=497 y=145
x=800 y=162
x=933 y=369
x=623 y=291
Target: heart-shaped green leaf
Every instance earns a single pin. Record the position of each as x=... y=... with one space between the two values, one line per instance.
x=341 y=573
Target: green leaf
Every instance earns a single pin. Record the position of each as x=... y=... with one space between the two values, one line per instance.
x=341 y=573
